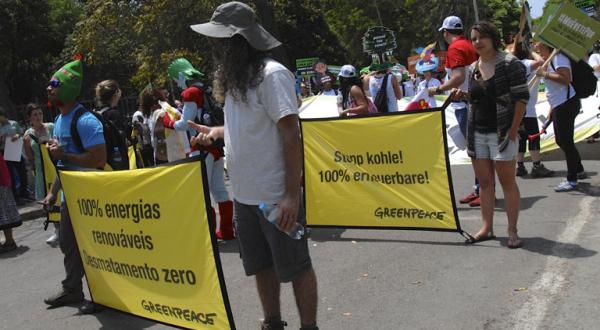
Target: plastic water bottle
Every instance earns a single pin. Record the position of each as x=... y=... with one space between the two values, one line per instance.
x=117 y=154
x=271 y=211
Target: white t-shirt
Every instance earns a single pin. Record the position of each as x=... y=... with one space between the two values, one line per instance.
x=375 y=85
x=595 y=61
x=533 y=92
x=427 y=84
x=409 y=88
x=254 y=152
x=330 y=92
x=464 y=86
x=557 y=93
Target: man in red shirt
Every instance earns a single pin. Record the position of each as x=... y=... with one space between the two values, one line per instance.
x=460 y=55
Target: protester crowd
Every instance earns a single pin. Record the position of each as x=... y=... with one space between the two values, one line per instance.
x=492 y=103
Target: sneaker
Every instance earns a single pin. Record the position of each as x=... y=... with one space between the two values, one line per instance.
x=469 y=198
x=566 y=186
x=476 y=202
x=64 y=297
x=540 y=171
x=581 y=175
x=52 y=240
x=522 y=171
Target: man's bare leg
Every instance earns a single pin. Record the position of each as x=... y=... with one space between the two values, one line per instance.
x=268 y=287
x=305 y=291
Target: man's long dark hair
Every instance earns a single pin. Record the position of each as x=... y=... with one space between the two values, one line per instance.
x=239 y=67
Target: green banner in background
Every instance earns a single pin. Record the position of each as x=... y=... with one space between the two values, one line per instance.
x=570 y=30
x=305 y=66
x=587 y=6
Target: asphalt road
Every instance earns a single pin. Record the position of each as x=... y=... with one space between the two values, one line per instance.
x=371 y=279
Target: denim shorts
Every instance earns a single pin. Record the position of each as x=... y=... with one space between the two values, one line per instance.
x=486 y=147
x=263 y=246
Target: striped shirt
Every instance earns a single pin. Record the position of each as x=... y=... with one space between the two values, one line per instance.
x=510 y=80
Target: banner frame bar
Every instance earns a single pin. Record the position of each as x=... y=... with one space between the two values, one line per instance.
x=213 y=238
x=442 y=111
x=373 y=115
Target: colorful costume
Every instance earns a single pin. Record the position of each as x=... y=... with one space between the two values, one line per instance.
x=182 y=71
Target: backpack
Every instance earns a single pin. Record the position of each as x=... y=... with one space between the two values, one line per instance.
x=214 y=108
x=116 y=148
x=583 y=79
x=212 y=113
x=381 y=99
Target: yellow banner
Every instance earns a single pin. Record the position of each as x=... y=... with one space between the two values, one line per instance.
x=146 y=245
x=387 y=171
x=49 y=173
x=132 y=154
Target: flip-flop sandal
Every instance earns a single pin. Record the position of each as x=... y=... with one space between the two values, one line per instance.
x=476 y=239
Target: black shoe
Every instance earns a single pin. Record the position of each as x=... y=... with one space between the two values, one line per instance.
x=521 y=171
x=64 y=297
x=90 y=308
x=273 y=325
x=540 y=171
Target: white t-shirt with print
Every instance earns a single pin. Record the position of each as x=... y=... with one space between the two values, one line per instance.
x=254 y=151
x=428 y=84
x=533 y=92
x=595 y=61
x=557 y=93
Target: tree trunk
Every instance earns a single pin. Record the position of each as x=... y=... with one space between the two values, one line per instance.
x=5 y=101
x=267 y=17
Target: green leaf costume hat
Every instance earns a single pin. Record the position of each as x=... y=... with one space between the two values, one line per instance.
x=182 y=70
x=70 y=77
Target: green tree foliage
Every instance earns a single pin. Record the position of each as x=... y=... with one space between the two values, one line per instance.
x=134 y=41
x=32 y=35
x=107 y=40
x=415 y=23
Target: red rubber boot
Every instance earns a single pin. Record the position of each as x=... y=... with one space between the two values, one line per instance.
x=225 y=232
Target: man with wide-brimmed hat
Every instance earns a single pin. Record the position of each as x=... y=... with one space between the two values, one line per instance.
x=264 y=158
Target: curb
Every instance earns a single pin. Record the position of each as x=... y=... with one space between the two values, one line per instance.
x=31 y=211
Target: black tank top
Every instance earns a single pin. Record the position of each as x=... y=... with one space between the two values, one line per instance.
x=483 y=103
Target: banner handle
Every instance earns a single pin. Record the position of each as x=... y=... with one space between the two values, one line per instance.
x=466 y=235
x=448 y=101
x=535 y=78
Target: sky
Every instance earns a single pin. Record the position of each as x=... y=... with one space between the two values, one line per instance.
x=536 y=7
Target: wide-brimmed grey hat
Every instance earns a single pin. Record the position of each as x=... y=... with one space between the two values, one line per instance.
x=234 y=18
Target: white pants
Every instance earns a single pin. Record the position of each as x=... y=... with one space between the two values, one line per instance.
x=216 y=181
